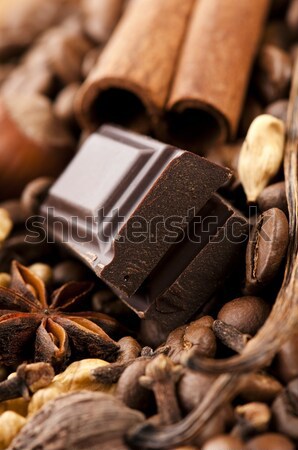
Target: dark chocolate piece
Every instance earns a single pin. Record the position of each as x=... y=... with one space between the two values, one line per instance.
x=144 y=216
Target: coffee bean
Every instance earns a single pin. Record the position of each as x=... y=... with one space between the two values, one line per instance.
x=192 y=388
x=266 y=249
x=15 y=210
x=277 y=34
x=69 y=271
x=287 y=360
x=224 y=442
x=252 y=109
x=292 y=18
x=274 y=71
x=34 y=193
x=270 y=441
x=274 y=196
x=278 y=7
x=216 y=426
x=247 y=314
x=259 y=387
x=285 y=411
x=278 y=109
x=197 y=337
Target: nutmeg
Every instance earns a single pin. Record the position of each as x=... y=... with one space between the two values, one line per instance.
x=33 y=142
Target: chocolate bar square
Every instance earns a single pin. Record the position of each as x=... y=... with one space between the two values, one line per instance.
x=145 y=217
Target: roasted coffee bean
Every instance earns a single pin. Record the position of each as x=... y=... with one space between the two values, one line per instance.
x=197 y=336
x=292 y=18
x=287 y=360
x=251 y=110
x=270 y=441
x=151 y=333
x=247 y=314
x=130 y=391
x=278 y=7
x=230 y=336
x=69 y=270
x=285 y=411
x=226 y=155
x=274 y=71
x=34 y=193
x=15 y=210
x=266 y=249
x=216 y=426
x=192 y=388
x=224 y=442
x=274 y=196
x=294 y=52
x=278 y=109
x=251 y=418
x=64 y=104
x=277 y=34
x=259 y=387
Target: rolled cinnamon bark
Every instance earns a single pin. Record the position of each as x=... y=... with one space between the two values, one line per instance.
x=131 y=81
x=213 y=72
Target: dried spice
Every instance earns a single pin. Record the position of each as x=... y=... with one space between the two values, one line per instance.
x=84 y=420
x=261 y=155
x=261 y=349
x=10 y=425
x=196 y=336
x=76 y=377
x=28 y=379
x=33 y=327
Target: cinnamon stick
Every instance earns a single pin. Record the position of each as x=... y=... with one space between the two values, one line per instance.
x=131 y=81
x=214 y=69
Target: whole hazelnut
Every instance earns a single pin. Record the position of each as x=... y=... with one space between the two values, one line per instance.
x=33 y=142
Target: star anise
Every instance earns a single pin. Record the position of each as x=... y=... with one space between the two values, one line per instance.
x=36 y=327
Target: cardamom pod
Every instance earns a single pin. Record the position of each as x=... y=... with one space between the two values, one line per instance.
x=261 y=154
x=76 y=377
x=80 y=420
x=10 y=425
x=5 y=224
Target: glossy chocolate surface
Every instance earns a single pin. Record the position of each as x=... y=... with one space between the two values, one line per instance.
x=144 y=217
